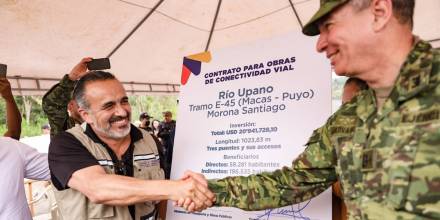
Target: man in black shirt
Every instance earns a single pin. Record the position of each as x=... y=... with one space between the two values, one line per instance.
x=167 y=131
x=144 y=118
x=110 y=167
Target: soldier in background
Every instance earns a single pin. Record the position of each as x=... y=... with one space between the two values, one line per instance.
x=45 y=129
x=155 y=126
x=383 y=146
x=167 y=130
x=144 y=118
x=60 y=108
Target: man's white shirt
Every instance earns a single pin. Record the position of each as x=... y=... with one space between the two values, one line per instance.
x=18 y=161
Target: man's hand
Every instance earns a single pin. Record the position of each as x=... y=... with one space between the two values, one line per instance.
x=5 y=89
x=80 y=69
x=187 y=203
x=196 y=176
x=193 y=195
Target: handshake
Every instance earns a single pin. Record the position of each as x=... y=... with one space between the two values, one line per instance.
x=192 y=193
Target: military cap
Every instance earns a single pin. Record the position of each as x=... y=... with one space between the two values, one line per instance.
x=144 y=115
x=326 y=6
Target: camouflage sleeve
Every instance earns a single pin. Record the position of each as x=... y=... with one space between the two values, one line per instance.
x=55 y=104
x=311 y=173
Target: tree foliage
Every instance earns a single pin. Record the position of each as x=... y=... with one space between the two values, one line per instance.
x=337 y=85
x=153 y=105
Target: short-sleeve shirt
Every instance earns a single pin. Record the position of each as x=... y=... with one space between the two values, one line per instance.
x=67 y=155
x=18 y=161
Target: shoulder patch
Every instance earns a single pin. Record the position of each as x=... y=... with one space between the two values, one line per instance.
x=421 y=117
x=343 y=125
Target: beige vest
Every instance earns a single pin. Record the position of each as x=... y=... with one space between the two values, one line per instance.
x=73 y=205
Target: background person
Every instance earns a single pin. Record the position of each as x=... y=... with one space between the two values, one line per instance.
x=18 y=161
x=60 y=108
x=167 y=131
x=144 y=118
x=45 y=129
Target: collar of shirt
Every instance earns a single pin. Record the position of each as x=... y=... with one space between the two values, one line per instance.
x=127 y=157
x=415 y=72
x=414 y=77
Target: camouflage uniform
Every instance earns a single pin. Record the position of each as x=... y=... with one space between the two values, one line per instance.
x=55 y=103
x=388 y=160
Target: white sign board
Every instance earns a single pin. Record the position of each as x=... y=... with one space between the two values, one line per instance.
x=249 y=109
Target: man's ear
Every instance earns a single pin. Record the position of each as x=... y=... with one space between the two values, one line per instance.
x=383 y=12
x=85 y=115
x=69 y=108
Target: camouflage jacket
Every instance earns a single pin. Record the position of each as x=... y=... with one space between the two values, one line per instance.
x=387 y=160
x=55 y=106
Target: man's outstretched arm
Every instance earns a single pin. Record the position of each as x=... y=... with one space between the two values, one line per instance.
x=311 y=173
x=104 y=188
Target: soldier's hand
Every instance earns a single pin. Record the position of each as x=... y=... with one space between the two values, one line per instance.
x=187 y=203
x=80 y=69
x=192 y=195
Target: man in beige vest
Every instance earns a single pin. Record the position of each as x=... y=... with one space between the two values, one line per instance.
x=111 y=169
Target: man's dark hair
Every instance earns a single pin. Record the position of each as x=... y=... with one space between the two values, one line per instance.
x=167 y=113
x=45 y=126
x=79 y=90
x=403 y=9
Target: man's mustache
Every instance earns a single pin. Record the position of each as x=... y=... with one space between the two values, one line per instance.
x=118 y=118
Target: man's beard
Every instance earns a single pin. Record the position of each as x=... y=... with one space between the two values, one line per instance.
x=110 y=133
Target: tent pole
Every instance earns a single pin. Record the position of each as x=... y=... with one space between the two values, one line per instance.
x=213 y=25
x=296 y=13
x=135 y=28
x=434 y=40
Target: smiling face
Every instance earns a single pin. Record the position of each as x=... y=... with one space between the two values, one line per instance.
x=109 y=113
x=346 y=39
